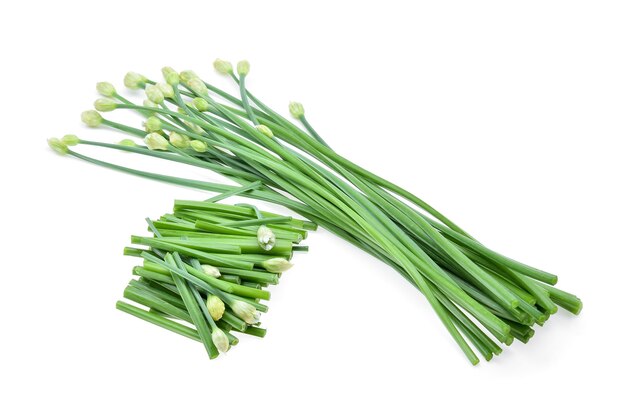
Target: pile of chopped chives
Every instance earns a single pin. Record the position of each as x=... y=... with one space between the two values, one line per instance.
x=483 y=298
x=207 y=266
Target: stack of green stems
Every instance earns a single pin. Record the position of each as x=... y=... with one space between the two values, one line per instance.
x=174 y=286
x=467 y=284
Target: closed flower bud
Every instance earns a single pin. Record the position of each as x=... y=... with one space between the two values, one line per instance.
x=186 y=76
x=223 y=67
x=266 y=237
x=211 y=270
x=198 y=86
x=153 y=124
x=179 y=140
x=106 y=89
x=166 y=89
x=133 y=80
x=170 y=75
x=296 y=109
x=246 y=312
x=70 y=140
x=127 y=142
x=198 y=146
x=215 y=306
x=220 y=340
x=243 y=67
x=58 y=146
x=154 y=94
x=105 y=104
x=265 y=130
x=156 y=141
x=276 y=265
x=201 y=104
x=91 y=118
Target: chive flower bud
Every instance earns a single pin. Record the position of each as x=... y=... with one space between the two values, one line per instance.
x=105 y=104
x=276 y=265
x=186 y=76
x=127 y=142
x=133 y=80
x=201 y=104
x=166 y=89
x=154 y=94
x=58 y=146
x=156 y=141
x=198 y=86
x=106 y=89
x=215 y=306
x=179 y=140
x=198 y=146
x=243 y=67
x=223 y=67
x=91 y=118
x=266 y=237
x=220 y=340
x=152 y=124
x=296 y=109
x=265 y=130
x=246 y=312
x=170 y=75
x=211 y=270
x=70 y=140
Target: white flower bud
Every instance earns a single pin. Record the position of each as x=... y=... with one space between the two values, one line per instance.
x=215 y=306
x=211 y=270
x=201 y=104
x=296 y=109
x=152 y=124
x=156 y=141
x=179 y=140
x=166 y=89
x=170 y=75
x=223 y=67
x=266 y=237
x=186 y=76
x=154 y=94
x=70 y=140
x=58 y=146
x=243 y=67
x=265 y=130
x=245 y=311
x=105 y=104
x=220 y=340
x=106 y=89
x=127 y=142
x=198 y=86
x=133 y=80
x=198 y=146
x=91 y=118
x=276 y=265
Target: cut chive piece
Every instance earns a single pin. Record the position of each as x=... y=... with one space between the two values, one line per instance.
x=158 y=320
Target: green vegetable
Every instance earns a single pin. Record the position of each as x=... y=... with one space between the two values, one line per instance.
x=272 y=159
x=174 y=285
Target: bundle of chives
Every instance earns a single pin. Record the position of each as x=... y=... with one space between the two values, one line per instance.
x=203 y=284
x=191 y=121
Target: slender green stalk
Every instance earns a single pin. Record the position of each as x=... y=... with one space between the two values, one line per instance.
x=158 y=320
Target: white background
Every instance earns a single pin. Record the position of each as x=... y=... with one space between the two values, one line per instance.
x=507 y=116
